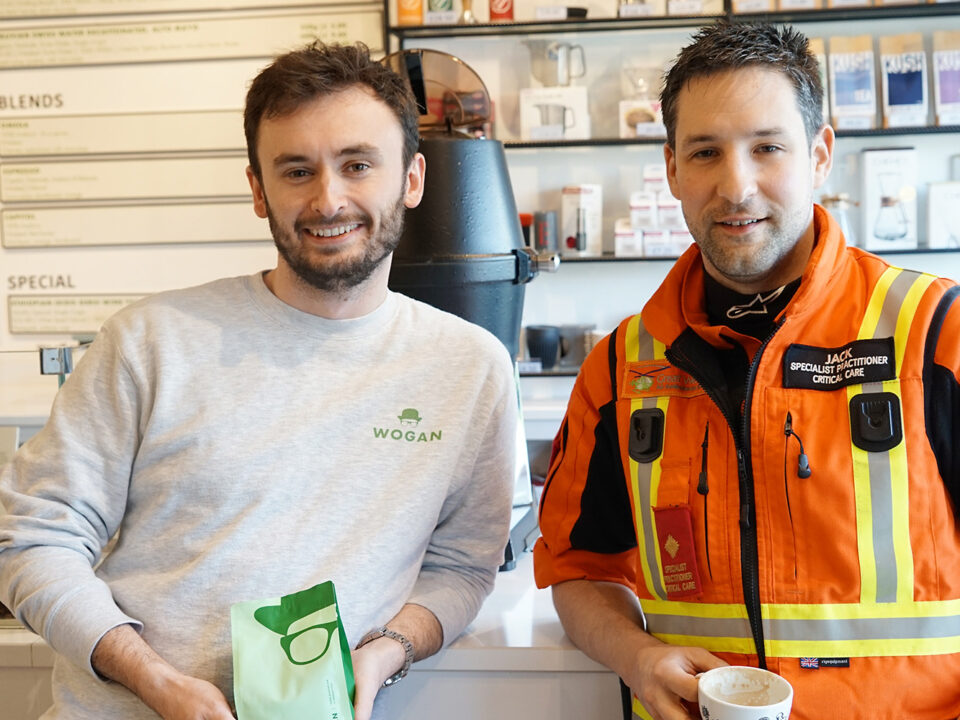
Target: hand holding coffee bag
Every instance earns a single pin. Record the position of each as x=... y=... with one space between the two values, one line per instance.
x=291 y=659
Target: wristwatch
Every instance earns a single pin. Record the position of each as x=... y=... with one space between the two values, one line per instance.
x=383 y=631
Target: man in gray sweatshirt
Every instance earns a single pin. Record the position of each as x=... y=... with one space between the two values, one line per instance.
x=254 y=436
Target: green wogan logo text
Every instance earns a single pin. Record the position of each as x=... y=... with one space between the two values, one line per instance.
x=409 y=418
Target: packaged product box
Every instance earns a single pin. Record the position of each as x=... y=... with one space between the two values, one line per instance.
x=641 y=8
x=903 y=74
x=849 y=3
x=819 y=50
x=694 y=7
x=656 y=243
x=746 y=7
x=888 y=198
x=853 y=84
x=655 y=178
x=643 y=210
x=641 y=118
x=680 y=240
x=554 y=113
x=899 y=2
x=943 y=215
x=670 y=213
x=581 y=220
x=627 y=240
x=946 y=77
x=799 y=4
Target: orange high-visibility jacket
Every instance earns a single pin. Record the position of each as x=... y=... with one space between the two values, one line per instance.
x=844 y=579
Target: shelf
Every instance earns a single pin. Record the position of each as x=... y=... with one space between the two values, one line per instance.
x=602 y=142
x=615 y=259
x=539 y=27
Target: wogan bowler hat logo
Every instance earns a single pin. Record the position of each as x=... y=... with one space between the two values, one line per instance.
x=408 y=429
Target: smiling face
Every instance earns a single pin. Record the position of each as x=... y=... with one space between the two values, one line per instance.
x=334 y=190
x=744 y=173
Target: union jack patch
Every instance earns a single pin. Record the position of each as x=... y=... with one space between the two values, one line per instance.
x=810 y=663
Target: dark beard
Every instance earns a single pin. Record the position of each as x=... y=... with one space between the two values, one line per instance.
x=338 y=276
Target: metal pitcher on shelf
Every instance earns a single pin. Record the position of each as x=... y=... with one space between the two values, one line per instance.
x=552 y=62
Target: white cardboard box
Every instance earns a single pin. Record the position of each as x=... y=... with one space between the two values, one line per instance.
x=889 y=199
x=581 y=215
x=943 y=215
x=554 y=113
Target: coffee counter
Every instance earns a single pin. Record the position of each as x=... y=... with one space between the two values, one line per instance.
x=513 y=661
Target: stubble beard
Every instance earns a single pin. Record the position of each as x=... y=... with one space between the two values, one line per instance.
x=321 y=269
x=748 y=261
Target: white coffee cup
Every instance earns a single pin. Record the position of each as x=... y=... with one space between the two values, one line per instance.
x=743 y=693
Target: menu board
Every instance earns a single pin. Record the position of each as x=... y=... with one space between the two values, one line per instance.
x=122 y=153
x=40 y=8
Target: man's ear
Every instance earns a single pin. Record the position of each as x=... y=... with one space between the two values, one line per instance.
x=416 y=174
x=821 y=154
x=670 y=158
x=259 y=199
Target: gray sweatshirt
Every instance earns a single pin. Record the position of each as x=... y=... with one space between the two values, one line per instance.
x=243 y=450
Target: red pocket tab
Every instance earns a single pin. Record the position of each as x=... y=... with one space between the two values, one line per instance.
x=678 y=554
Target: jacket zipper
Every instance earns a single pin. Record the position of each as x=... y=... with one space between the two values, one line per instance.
x=749 y=557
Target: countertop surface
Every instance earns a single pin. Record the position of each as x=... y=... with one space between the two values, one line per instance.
x=516 y=629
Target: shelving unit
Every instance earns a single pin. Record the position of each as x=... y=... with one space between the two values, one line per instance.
x=537 y=27
x=606 y=288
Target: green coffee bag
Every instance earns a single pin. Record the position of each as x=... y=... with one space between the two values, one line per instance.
x=291 y=659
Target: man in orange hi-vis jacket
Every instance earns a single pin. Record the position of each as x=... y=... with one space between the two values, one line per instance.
x=760 y=468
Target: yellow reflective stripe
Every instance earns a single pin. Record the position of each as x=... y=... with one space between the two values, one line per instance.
x=863 y=501
x=844 y=629
x=655 y=471
x=899 y=477
x=805 y=611
x=631 y=342
x=871 y=318
x=877 y=647
x=741 y=646
x=639 y=711
x=641 y=480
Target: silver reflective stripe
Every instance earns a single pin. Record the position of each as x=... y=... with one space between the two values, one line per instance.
x=838 y=629
x=881 y=474
x=896 y=294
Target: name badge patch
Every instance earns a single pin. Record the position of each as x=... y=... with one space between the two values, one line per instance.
x=861 y=361
x=678 y=555
x=654 y=378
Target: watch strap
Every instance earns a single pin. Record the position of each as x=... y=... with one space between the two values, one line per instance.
x=384 y=631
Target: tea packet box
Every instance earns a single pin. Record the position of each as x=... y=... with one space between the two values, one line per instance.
x=946 y=77
x=849 y=3
x=694 y=7
x=888 y=198
x=853 y=94
x=785 y=5
x=903 y=68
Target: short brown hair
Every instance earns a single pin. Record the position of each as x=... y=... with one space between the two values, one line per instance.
x=730 y=46
x=318 y=69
